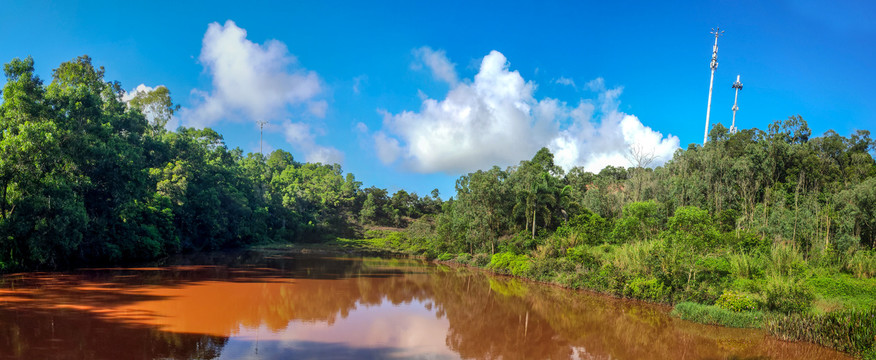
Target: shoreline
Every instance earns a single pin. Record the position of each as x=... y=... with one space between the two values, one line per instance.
x=779 y=326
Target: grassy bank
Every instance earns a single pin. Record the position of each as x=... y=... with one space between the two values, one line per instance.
x=715 y=315
x=771 y=288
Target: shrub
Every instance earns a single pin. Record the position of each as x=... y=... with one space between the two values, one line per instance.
x=581 y=255
x=713 y=269
x=787 y=295
x=647 y=289
x=638 y=257
x=850 y=331
x=464 y=258
x=862 y=264
x=591 y=229
x=445 y=257
x=707 y=314
x=785 y=260
x=640 y=221
x=749 y=242
x=735 y=301
x=480 y=260
x=743 y=265
x=511 y=263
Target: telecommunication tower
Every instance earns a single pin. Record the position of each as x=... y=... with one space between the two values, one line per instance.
x=738 y=86
x=261 y=125
x=714 y=65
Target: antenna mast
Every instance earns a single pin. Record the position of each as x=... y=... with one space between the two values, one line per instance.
x=714 y=65
x=738 y=86
x=261 y=125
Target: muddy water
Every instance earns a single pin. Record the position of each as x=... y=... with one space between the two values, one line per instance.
x=276 y=305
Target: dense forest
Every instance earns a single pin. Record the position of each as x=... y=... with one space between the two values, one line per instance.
x=87 y=178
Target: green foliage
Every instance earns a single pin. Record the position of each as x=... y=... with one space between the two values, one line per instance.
x=640 y=221
x=743 y=265
x=510 y=263
x=692 y=228
x=843 y=291
x=710 y=314
x=647 y=289
x=87 y=178
x=850 y=331
x=787 y=295
x=736 y=301
x=862 y=264
x=445 y=257
x=785 y=260
x=587 y=228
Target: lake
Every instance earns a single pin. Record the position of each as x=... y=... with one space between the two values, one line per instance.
x=274 y=304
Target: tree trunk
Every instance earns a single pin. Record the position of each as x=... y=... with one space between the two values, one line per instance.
x=3 y=201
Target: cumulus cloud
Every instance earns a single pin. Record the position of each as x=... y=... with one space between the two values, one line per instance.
x=565 y=81
x=437 y=62
x=495 y=119
x=301 y=136
x=254 y=82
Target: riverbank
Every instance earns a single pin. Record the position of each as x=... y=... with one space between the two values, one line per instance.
x=852 y=330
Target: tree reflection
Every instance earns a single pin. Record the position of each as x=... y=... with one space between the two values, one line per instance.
x=191 y=311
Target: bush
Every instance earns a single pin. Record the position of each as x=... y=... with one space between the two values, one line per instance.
x=713 y=269
x=464 y=258
x=862 y=264
x=509 y=262
x=445 y=257
x=744 y=266
x=581 y=255
x=707 y=314
x=787 y=295
x=785 y=260
x=749 y=242
x=591 y=229
x=646 y=289
x=735 y=301
x=481 y=260
x=850 y=331
x=640 y=221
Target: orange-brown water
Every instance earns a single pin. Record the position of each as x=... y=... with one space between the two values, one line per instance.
x=276 y=305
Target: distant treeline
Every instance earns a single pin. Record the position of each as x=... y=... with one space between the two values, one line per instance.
x=86 y=178
x=817 y=193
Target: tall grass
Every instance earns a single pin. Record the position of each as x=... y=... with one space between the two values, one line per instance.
x=743 y=265
x=850 y=331
x=636 y=257
x=710 y=314
x=863 y=264
x=785 y=260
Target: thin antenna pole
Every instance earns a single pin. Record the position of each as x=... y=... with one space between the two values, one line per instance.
x=261 y=125
x=738 y=86
x=714 y=65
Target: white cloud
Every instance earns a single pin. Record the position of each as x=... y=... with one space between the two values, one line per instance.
x=496 y=120
x=318 y=108
x=301 y=136
x=256 y=82
x=565 y=81
x=388 y=149
x=436 y=60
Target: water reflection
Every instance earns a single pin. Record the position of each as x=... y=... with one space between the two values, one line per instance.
x=273 y=305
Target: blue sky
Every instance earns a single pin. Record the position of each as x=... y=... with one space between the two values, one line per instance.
x=413 y=94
